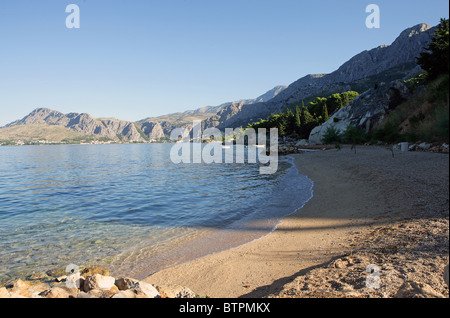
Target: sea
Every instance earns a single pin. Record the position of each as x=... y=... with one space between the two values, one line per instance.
x=129 y=208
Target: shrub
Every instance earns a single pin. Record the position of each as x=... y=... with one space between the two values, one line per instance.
x=332 y=136
x=388 y=133
x=354 y=135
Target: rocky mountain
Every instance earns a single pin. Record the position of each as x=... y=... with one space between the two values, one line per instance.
x=113 y=129
x=184 y=119
x=150 y=129
x=382 y=64
x=402 y=51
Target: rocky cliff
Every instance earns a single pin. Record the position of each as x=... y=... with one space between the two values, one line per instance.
x=366 y=111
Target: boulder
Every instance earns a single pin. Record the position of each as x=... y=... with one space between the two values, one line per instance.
x=302 y=142
x=60 y=292
x=125 y=294
x=124 y=283
x=28 y=289
x=101 y=293
x=98 y=281
x=145 y=289
x=92 y=270
x=4 y=293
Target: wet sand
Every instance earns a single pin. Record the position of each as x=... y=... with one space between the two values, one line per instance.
x=352 y=193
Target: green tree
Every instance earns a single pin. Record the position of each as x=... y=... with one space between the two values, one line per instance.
x=325 y=116
x=308 y=122
x=316 y=106
x=435 y=59
x=298 y=123
x=354 y=136
x=290 y=121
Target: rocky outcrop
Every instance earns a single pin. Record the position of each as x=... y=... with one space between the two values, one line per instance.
x=153 y=130
x=366 y=111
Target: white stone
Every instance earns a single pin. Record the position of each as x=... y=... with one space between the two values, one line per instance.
x=147 y=289
x=98 y=281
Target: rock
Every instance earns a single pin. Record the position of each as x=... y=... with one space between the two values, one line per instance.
x=366 y=111
x=446 y=275
x=98 y=281
x=102 y=293
x=138 y=287
x=4 y=293
x=15 y=295
x=125 y=294
x=302 y=142
x=92 y=270
x=146 y=290
x=175 y=291
x=61 y=278
x=21 y=287
x=125 y=283
x=57 y=272
x=424 y=146
x=60 y=292
x=85 y=295
x=37 y=276
x=417 y=290
x=412 y=147
x=340 y=263
x=111 y=292
x=74 y=280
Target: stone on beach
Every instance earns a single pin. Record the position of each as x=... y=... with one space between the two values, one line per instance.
x=98 y=281
x=60 y=292
x=175 y=291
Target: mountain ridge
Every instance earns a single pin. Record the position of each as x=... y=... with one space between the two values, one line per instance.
x=403 y=51
x=405 y=48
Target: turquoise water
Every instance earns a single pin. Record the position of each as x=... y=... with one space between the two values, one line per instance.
x=126 y=205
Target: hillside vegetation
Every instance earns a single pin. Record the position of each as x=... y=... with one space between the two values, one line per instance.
x=425 y=116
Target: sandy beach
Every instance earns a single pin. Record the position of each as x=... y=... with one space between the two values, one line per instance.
x=356 y=197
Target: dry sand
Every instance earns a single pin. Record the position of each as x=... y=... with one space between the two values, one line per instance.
x=354 y=195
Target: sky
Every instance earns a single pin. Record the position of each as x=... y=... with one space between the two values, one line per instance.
x=132 y=59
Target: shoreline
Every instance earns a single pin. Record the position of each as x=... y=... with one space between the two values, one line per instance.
x=352 y=194
x=244 y=231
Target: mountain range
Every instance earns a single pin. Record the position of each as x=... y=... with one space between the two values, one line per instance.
x=361 y=72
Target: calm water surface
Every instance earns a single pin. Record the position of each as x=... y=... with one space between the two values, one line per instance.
x=124 y=205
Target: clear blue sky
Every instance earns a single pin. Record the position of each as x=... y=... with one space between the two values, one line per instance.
x=132 y=59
